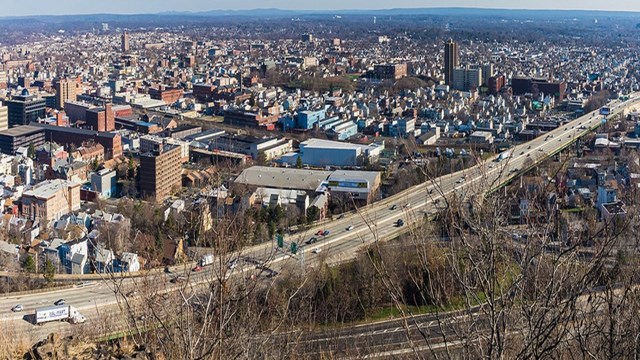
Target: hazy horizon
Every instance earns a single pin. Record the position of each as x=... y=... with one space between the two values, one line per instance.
x=79 y=7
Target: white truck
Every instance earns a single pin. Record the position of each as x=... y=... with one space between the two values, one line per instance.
x=504 y=155
x=206 y=260
x=58 y=313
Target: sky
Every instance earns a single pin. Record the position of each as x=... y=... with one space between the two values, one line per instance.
x=66 y=7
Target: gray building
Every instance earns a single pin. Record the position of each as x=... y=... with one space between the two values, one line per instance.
x=25 y=108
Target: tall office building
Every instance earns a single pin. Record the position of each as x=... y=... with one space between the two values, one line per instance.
x=487 y=72
x=65 y=91
x=466 y=78
x=25 y=108
x=4 y=80
x=160 y=172
x=451 y=60
x=125 y=42
x=4 y=117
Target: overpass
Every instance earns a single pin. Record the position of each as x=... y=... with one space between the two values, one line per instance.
x=376 y=222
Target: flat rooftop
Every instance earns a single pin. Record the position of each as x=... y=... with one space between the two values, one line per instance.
x=76 y=131
x=370 y=176
x=21 y=131
x=48 y=189
x=283 y=178
x=328 y=144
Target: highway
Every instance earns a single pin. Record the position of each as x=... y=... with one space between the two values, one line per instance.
x=376 y=222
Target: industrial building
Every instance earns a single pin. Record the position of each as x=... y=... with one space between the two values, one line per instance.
x=250 y=145
x=361 y=186
x=21 y=136
x=66 y=136
x=317 y=152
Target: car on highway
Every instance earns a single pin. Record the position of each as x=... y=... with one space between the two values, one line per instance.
x=341 y=216
x=316 y=250
x=59 y=302
x=393 y=207
x=198 y=268
x=326 y=233
x=17 y=308
x=407 y=205
x=320 y=232
x=528 y=147
x=431 y=190
x=349 y=228
x=399 y=223
x=522 y=153
x=312 y=240
x=178 y=279
x=131 y=293
x=232 y=264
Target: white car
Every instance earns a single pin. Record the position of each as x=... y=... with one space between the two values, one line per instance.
x=316 y=250
x=350 y=227
x=17 y=308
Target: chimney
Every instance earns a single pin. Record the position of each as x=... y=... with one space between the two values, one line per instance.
x=60 y=118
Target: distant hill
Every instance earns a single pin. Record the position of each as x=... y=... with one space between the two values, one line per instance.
x=281 y=13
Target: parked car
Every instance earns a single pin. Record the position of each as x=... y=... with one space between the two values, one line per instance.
x=341 y=216
x=17 y=308
x=232 y=264
x=59 y=302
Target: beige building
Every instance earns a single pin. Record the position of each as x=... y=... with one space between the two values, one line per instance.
x=4 y=117
x=65 y=91
x=51 y=199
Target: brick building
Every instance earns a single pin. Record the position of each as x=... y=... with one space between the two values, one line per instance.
x=160 y=172
x=168 y=95
x=101 y=119
x=111 y=142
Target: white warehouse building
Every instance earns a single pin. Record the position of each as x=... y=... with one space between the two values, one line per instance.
x=318 y=152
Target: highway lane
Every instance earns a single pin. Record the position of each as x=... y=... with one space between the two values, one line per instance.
x=342 y=244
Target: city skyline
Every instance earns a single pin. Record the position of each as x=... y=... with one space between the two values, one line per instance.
x=71 y=7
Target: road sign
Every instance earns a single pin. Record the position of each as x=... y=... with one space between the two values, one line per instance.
x=294 y=248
